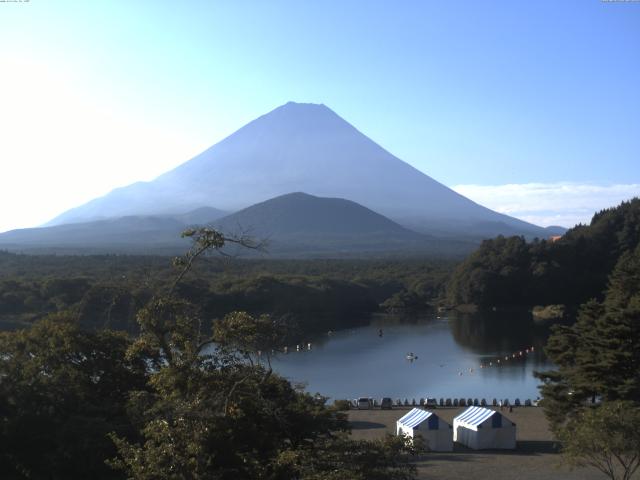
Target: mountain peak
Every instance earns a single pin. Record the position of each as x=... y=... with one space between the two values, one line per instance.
x=299 y=147
x=300 y=213
x=297 y=116
x=291 y=104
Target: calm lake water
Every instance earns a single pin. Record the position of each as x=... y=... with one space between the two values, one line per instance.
x=450 y=350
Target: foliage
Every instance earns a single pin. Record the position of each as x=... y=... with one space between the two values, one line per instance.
x=107 y=291
x=570 y=271
x=62 y=390
x=598 y=358
x=340 y=458
x=185 y=399
x=600 y=354
x=211 y=412
x=606 y=437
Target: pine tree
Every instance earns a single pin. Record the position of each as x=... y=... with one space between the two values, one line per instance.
x=600 y=354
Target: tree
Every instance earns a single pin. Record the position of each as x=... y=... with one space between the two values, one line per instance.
x=607 y=438
x=599 y=358
x=254 y=338
x=570 y=271
x=600 y=354
x=212 y=412
x=340 y=458
x=62 y=390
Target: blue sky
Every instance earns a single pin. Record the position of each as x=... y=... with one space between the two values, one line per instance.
x=526 y=107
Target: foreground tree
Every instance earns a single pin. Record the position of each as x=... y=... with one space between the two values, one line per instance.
x=606 y=438
x=598 y=360
x=211 y=411
x=599 y=356
x=62 y=391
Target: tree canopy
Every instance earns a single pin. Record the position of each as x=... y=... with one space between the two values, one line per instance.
x=572 y=270
x=592 y=397
x=180 y=400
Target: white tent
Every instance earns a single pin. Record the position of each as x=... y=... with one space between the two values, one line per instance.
x=481 y=428
x=429 y=426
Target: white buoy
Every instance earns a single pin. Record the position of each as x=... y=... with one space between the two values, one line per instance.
x=308 y=346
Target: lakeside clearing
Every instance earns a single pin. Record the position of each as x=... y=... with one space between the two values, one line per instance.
x=536 y=456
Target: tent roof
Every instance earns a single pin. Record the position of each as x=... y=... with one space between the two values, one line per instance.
x=415 y=417
x=474 y=415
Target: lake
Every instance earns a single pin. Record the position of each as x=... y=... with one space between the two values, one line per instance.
x=450 y=351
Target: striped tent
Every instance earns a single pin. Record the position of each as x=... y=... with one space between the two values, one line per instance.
x=482 y=428
x=435 y=431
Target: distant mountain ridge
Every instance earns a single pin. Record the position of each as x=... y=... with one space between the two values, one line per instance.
x=303 y=147
x=128 y=234
x=293 y=225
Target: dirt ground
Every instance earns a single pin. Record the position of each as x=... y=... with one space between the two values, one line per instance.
x=536 y=456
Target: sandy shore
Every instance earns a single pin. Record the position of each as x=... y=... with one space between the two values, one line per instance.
x=536 y=456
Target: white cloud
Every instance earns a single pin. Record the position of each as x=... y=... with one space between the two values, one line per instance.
x=560 y=203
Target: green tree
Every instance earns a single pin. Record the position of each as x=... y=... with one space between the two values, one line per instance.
x=570 y=271
x=606 y=438
x=599 y=356
x=62 y=391
x=212 y=412
x=340 y=458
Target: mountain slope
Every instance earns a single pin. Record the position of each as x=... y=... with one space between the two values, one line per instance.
x=302 y=224
x=301 y=147
x=200 y=216
x=295 y=225
x=298 y=213
x=131 y=234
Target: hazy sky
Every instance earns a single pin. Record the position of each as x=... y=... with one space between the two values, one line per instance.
x=531 y=108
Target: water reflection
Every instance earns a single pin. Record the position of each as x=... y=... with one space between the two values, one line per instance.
x=494 y=333
x=449 y=351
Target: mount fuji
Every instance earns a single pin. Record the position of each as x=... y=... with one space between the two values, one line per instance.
x=304 y=148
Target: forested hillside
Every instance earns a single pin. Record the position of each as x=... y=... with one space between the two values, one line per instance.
x=569 y=271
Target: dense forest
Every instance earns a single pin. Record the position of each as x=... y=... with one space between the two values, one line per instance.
x=177 y=400
x=106 y=291
x=592 y=396
x=569 y=271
